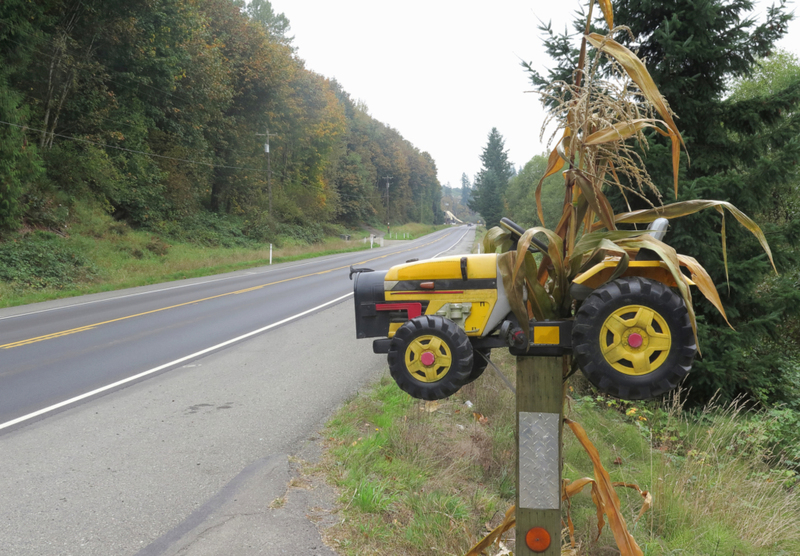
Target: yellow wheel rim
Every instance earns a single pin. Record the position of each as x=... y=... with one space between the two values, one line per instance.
x=635 y=340
x=428 y=358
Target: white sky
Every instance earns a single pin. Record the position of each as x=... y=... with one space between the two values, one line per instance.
x=441 y=72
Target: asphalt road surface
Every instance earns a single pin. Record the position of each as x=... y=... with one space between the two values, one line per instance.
x=161 y=420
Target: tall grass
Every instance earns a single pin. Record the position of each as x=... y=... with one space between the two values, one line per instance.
x=722 y=481
x=713 y=488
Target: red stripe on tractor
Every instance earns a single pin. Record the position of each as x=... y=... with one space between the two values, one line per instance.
x=414 y=309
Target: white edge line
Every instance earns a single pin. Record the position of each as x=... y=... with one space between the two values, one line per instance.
x=164 y=366
x=451 y=247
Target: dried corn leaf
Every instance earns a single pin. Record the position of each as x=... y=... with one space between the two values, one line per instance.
x=647 y=501
x=554 y=164
x=638 y=73
x=561 y=231
x=608 y=12
x=554 y=250
x=508 y=522
x=704 y=283
x=607 y=496
x=495 y=239
x=685 y=208
x=622 y=131
x=597 y=201
x=570 y=489
x=513 y=284
x=724 y=249
x=541 y=303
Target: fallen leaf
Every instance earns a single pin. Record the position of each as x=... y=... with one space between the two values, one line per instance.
x=479 y=417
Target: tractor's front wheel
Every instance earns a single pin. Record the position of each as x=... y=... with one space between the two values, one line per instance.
x=430 y=358
x=633 y=339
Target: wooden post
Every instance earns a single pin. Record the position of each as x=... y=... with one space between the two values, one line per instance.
x=539 y=417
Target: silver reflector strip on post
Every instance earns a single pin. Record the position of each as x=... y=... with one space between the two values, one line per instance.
x=539 y=485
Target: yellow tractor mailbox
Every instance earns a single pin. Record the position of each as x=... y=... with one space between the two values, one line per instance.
x=438 y=320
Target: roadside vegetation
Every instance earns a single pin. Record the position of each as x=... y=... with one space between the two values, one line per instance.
x=421 y=478
x=96 y=253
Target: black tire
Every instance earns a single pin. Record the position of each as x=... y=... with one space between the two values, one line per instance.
x=479 y=364
x=604 y=338
x=451 y=358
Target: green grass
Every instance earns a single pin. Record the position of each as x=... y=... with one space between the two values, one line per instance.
x=94 y=253
x=413 y=230
x=416 y=475
x=100 y=255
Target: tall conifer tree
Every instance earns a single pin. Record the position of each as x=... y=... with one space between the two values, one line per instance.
x=492 y=181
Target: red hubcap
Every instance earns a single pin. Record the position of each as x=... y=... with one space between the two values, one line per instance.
x=427 y=358
x=635 y=340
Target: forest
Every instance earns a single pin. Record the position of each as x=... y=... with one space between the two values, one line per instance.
x=170 y=115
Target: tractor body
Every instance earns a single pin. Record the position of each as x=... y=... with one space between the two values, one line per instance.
x=466 y=290
x=438 y=320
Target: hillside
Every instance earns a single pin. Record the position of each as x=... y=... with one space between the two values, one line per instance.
x=184 y=118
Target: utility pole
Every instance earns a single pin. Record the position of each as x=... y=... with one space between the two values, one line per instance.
x=267 y=134
x=388 y=179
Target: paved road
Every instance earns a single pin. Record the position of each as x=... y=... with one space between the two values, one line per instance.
x=187 y=459
x=52 y=353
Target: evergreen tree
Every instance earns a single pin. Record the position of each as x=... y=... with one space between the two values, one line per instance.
x=466 y=189
x=520 y=199
x=742 y=150
x=492 y=181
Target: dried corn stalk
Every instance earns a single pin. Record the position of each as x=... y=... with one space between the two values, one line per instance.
x=601 y=118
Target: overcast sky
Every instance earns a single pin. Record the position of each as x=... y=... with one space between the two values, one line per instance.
x=441 y=72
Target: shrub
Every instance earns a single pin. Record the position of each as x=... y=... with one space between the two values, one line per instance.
x=43 y=260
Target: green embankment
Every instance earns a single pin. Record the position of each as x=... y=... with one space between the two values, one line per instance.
x=97 y=253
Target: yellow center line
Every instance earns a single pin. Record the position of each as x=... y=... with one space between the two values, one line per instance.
x=246 y=290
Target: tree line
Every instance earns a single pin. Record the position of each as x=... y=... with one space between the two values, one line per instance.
x=161 y=110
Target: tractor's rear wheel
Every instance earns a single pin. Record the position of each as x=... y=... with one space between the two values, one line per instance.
x=430 y=357
x=633 y=339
